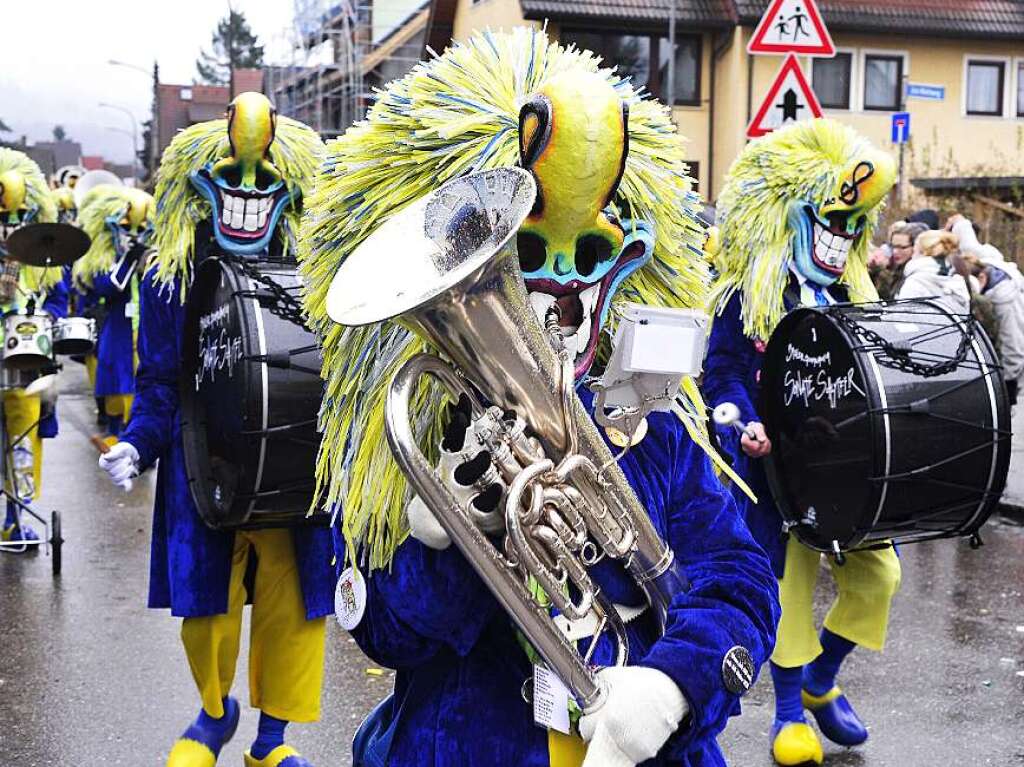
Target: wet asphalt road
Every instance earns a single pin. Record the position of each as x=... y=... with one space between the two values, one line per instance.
x=90 y=677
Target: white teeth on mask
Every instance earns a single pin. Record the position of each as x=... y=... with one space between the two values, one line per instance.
x=831 y=249
x=247 y=214
x=541 y=302
x=576 y=339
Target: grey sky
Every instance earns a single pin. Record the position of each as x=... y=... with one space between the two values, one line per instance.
x=53 y=61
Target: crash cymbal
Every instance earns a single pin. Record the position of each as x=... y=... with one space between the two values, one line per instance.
x=47 y=244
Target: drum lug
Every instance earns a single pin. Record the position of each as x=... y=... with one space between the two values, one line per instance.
x=975 y=541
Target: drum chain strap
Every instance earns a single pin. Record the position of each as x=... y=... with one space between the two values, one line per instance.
x=899 y=358
x=285 y=305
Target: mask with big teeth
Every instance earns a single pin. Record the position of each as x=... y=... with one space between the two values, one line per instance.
x=246 y=190
x=573 y=251
x=825 y=233
x=134 y=225
x=15 y=212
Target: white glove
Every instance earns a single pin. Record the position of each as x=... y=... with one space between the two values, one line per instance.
x=121 y=462
x=424 y=527
x=643 y=709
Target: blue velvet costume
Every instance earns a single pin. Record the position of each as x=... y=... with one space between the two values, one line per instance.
x=190 y=563
x=732 y=373
x=56 y=304
x=457 y=698
x=115 y=369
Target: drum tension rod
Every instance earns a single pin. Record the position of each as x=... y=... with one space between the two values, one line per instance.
x=975 y=541
x=838 y=554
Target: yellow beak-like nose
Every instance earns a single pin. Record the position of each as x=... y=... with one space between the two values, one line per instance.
x=863 y=184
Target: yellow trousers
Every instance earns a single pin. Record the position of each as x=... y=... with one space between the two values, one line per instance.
x=286 y=654
x=565 y=750
x=119 y=405
x=91 y=364
x=866 y=584
x=21 y=414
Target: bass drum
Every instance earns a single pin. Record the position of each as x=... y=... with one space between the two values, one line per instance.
x=887 y=421
x=250 y=394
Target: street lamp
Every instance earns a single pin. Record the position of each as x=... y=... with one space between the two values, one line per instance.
x=135 y=136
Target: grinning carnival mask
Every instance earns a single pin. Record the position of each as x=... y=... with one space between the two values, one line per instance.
x=246 y=175
x=24 y=196
x=573 y=250
x=610 y=172
x=806 y=196
x=119 y=221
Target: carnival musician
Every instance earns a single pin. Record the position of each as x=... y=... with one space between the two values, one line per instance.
x=796 y=215
x=614 y=220
x=209 y=175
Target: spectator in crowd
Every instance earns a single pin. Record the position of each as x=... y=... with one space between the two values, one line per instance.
x=1003 y=286
x=967 y=232
x=930 y=274
x=926 y=216
x=888 y=276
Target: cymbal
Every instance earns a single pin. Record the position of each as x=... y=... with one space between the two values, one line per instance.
x=47 y=244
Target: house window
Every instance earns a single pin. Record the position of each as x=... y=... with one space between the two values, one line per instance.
x=831 y=80
x=1020 y=89
x=629 y=54
x=687 y=72
x=185 y=94
x=883 y=80
x=985 y=87
x=644 y=60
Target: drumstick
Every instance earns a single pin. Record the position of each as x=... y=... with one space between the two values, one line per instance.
x=99 y=444
x=728 y=414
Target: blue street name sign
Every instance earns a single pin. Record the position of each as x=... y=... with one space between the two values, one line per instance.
x=901 y=128
x=926 y=92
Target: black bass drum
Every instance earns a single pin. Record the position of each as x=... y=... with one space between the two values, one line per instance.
x=887 y=421
x=250 y=394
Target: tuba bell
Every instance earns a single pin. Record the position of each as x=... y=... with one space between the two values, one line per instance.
x=568 y=504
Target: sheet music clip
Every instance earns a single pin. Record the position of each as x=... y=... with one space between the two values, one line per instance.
x=654 y=348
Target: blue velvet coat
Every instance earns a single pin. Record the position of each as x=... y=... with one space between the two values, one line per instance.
x=115 y=355
x=732 y=373
x=190 y=564
x=56 y=304
x=457 y=699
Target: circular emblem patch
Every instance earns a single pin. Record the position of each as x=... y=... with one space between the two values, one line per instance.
x=738 y=670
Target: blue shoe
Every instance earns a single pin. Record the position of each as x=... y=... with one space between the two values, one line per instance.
x=835 y=716
x=199 y=746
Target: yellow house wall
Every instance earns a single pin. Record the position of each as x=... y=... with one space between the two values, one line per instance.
x=693 y=120
x=488 y=14
x=945 y=142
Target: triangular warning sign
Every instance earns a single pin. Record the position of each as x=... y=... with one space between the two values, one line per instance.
x=790 y=99
x=792 y=26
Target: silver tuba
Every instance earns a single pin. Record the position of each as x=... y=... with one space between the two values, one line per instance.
x=568 y=503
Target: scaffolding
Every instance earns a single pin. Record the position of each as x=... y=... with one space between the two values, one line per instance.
x=335 y=54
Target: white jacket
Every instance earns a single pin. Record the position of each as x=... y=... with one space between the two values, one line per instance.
x=921 y=279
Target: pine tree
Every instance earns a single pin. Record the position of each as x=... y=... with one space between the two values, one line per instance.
x=59 y=134
x=4 y=127
x=233 y=46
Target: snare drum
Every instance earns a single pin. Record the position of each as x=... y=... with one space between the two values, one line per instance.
x=74 y=335
x=28 y=340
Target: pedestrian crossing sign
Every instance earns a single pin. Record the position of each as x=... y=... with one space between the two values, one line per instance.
x=790 y=99
x=792 y=26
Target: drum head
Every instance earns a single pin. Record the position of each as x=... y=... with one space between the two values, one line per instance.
x=217 y=387
x=815 y=403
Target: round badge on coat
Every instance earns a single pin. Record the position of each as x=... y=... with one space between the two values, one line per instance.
x=738 y=670
x=350 y=598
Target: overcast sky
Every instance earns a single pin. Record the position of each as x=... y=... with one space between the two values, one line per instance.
x=54 y=70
